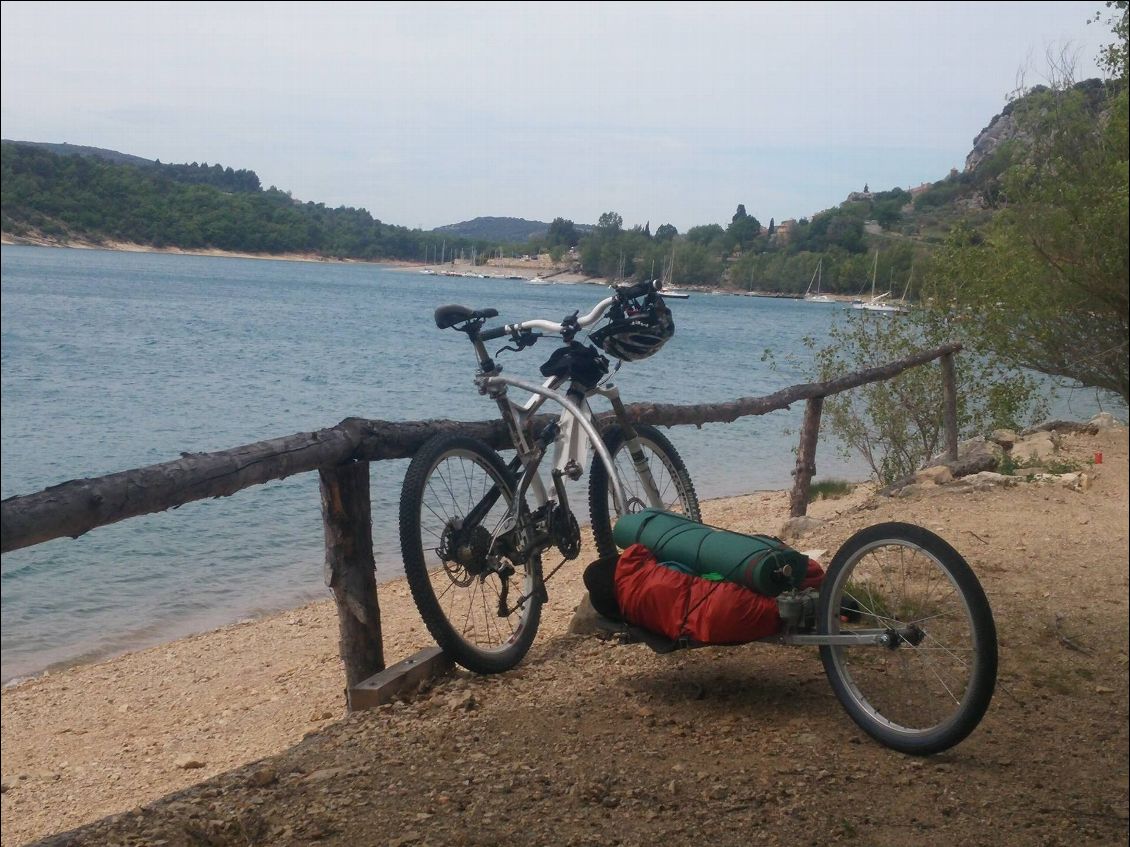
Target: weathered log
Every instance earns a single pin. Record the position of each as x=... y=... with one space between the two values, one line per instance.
x=669 y=415
x=1087 y=427
x=350 y=569
x=76 y=507
x=806 y=457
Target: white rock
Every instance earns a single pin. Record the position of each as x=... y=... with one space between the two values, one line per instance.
x=1036 y=447
x=796 y=527
x=587 y=621
x=914 y=488
x=1104 y=420
x=989 y=478
x=1004 y=437
x=936 y=475
x=1075 y=481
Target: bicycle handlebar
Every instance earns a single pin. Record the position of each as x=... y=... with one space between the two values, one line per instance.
x=625 y=292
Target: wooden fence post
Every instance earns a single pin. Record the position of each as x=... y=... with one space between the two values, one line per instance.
x=350 y=569
x=806 y=457
x=949 y=405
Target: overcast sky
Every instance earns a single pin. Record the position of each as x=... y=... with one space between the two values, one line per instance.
x=429 y=113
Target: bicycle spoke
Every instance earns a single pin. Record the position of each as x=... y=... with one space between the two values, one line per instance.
x=908 y=685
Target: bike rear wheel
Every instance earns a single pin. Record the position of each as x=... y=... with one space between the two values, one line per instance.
x=458 y=555
x=928 y=686
x=672 y=483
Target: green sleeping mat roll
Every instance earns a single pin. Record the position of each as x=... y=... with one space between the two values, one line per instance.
x=759 y=562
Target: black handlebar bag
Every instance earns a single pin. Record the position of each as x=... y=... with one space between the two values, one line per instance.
x=578 y=362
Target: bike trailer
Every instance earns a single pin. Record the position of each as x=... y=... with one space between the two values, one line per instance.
x=759 y=562
x=681 y=583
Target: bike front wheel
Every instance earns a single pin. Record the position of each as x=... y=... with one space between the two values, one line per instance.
x=927 y=685
x=477 y=591
x=670 y=487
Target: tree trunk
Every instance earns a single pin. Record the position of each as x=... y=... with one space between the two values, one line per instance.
x=806 y=457
x=350 y=570
x=949 y=405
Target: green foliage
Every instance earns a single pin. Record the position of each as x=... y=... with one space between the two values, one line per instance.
x=696 y=265
x=705 y=234
x=500 y=230
x=1044 y=285
x=939 y=194
x=562 y=233
x=829 y=489
x=610 y=223
x=1029 y=467
x=843 y=273
x=897 y=425
x=840 y=228
x=743 y=229
x=1114 y=56
x=190 y=206
x=666 y=232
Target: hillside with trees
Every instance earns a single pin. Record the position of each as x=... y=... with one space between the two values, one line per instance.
x=501 y=230
x=47 y=196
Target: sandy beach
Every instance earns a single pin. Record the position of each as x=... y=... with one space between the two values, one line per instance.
x=94 y=740
x=113 y=737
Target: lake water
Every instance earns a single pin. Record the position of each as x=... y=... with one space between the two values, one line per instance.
x=117 y=360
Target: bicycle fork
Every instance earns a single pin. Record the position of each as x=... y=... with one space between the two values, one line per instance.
x=632 y=442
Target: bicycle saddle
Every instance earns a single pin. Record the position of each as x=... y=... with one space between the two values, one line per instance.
x=451 y=315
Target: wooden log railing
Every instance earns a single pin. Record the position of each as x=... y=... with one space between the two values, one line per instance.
x=341 y=454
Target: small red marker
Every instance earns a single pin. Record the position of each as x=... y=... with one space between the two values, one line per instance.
x=1098 y=458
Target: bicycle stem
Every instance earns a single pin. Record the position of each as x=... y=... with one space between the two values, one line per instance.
x=582 y=419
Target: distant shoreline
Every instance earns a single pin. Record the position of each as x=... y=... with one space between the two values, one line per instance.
x=525 y=269
x=516 y=269
x=131 y=247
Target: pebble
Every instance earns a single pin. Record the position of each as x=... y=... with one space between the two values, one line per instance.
x=188 y=761
x=262 y=777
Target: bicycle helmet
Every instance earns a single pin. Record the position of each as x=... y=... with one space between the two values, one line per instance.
x=636 y=332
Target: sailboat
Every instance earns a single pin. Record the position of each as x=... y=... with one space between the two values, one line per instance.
x=815 y=296
x=666 y=284
x=902 y=305
x=873 y=305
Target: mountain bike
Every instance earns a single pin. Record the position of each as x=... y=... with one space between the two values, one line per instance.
x=474 y=527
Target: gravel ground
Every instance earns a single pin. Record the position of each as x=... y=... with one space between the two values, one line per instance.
x=592 y=742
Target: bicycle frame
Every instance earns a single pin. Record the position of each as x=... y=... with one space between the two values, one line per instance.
x=570 y=448
x=572 y=433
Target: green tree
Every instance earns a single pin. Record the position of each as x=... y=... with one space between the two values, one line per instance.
x=705 y=234
x=743 y=228
x=562 y=232
x=610 y=223
x=1047 y=280
x=896 y=425
x=666 y=232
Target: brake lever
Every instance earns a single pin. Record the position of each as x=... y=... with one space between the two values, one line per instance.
x=570 y=326
x=522 y=340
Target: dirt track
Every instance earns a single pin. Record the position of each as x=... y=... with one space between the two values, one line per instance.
x=595 y=743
